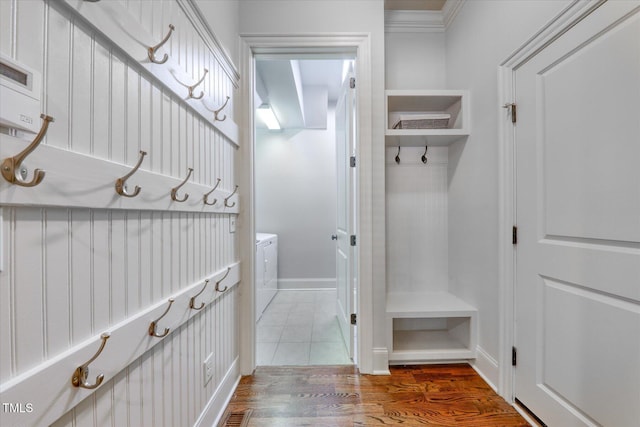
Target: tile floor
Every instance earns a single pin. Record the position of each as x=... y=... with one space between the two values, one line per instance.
x=301 y=328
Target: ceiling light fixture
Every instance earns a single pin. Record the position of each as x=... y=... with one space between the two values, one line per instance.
x=268 y=117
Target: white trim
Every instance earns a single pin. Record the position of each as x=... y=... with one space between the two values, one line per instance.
x=213 y=411
x=565 y=20
x=381 y=361
x=450 y=11
x=413 y=21
x=306 y=283
x=360 y=45
x=487 y=367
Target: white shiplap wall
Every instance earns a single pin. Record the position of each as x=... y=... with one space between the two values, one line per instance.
x=69 y=274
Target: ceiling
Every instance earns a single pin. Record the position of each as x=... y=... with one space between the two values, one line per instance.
x=414 y=4
x=299 y=91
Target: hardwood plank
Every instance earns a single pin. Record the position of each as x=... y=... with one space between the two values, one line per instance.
x=425 y=395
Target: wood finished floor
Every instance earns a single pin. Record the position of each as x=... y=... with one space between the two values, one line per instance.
x=427 y=395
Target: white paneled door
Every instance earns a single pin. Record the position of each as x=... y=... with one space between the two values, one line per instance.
x=345 y=256
x=578 y=216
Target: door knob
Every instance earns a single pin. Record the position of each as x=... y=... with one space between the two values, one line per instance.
x=334 y=237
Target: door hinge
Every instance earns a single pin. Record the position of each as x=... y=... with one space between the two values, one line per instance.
x=352 y=82
x=514 y=356
x=512 y=110
x=352 y=161
x=354 y=318
x=514 y=235
x=353 y=240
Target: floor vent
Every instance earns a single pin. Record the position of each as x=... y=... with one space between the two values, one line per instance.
x=237 y=419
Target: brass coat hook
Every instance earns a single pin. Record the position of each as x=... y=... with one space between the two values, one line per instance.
x=121 y=183
x=174 y=190
x=215 y=113
x=192 y=302
x=152 y=50
x=205 y=198
x=11 y=165
x=79 y=377
x=220 y=281
x=226 y=201
x=191 y=88
x=152 y=325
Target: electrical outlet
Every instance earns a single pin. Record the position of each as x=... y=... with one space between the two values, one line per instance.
x=207 y=368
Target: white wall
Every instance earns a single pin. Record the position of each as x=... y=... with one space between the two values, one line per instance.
x=296 y=199
x=415 y=60
x=483 y=34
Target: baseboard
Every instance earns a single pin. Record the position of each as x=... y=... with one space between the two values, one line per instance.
x=381 y=361
x=307 y=283
x=487 y=367
x=214 y=410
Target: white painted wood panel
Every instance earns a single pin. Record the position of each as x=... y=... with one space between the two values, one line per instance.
x=76 y=262
x=417 y=259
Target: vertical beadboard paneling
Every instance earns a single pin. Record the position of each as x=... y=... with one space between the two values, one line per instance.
x=132 y=109
x=26 y=288
x=81 y=94
x=81 y=277
x=118 y=111
x=57 y=318
x=132 y=257
x=145 y=260
x=156 y=130
x=69 y=274
x=100 y=266
x=57 y=78
x=101 y=88
x=165 y=133
x=118 y=266
x=6 y=299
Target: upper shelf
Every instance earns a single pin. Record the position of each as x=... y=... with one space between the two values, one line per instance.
x=406 y=104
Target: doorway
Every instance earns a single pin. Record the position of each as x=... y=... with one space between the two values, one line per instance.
x=304 y=136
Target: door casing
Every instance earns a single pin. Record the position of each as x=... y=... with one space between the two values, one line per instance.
x=352 y=45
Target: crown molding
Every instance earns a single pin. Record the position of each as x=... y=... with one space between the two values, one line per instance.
x=412 y=21
x=450 y=11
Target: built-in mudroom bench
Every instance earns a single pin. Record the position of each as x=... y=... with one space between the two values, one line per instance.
x=430 y=326
x=425 y=320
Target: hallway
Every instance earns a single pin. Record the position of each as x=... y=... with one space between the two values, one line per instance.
x=443 y=395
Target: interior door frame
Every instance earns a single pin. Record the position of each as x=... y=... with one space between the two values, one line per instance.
x=568 y=17
x=359 y=46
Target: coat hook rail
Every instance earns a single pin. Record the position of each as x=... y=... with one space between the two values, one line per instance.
x=154 y=324
x=215 y=113
x=191 y=88
x=152 y=50
x=398 y=156
x=226 y=201
x=79 y=377
x=174 y=190
x=221 y=280
x=206 y=196
x=121 y=183
x=424 y=156
x=192 y=301
x=11 y=166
